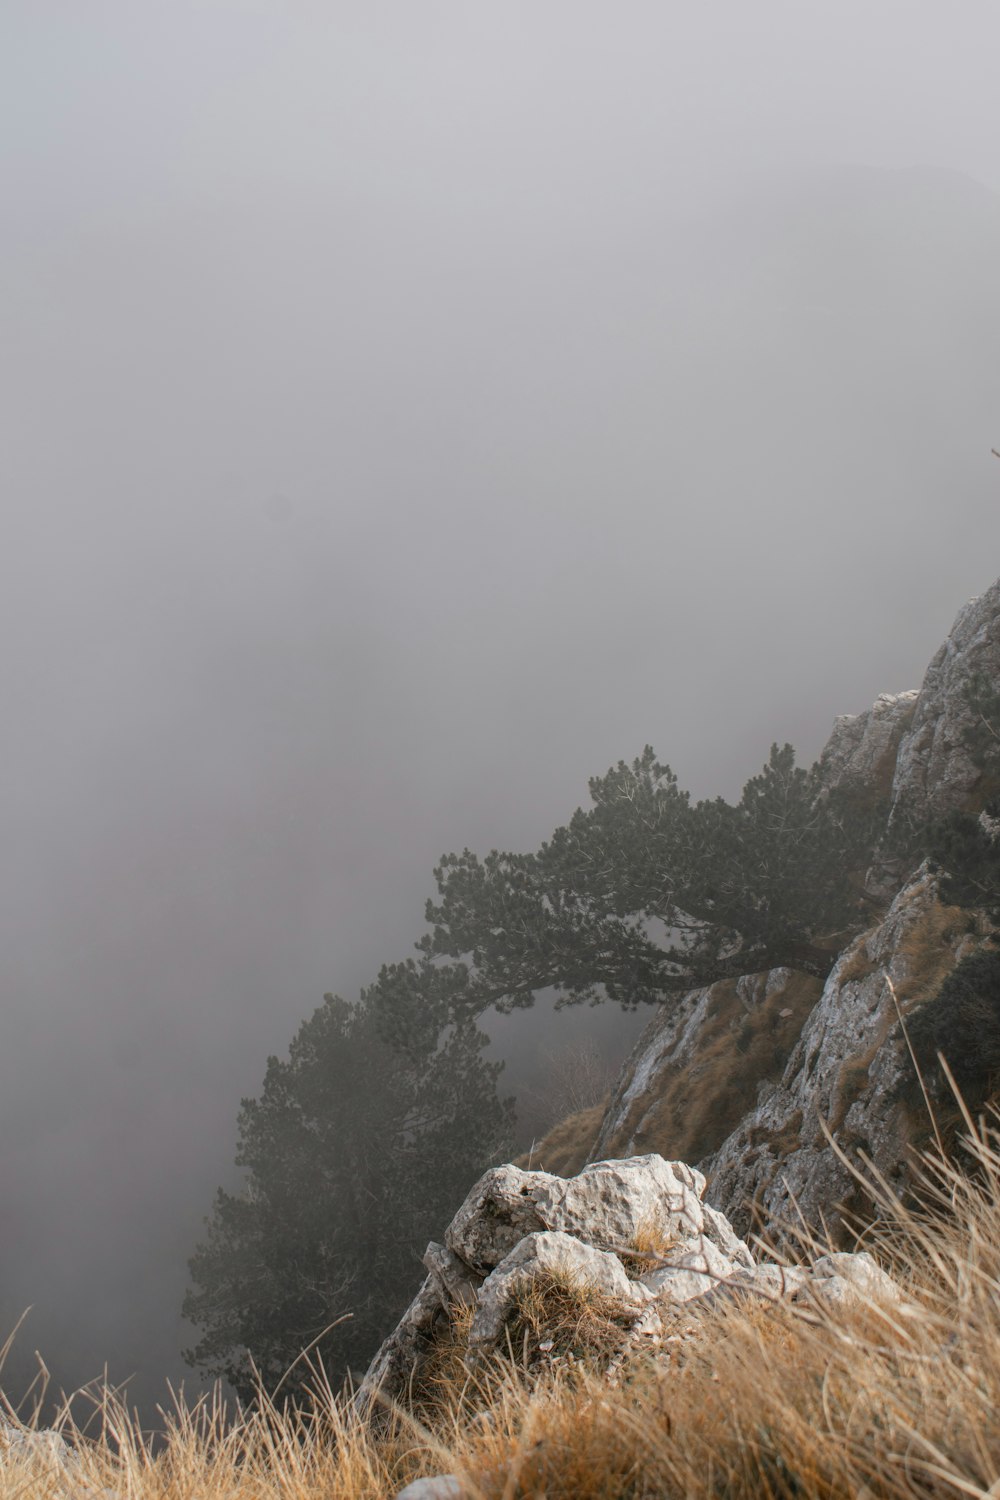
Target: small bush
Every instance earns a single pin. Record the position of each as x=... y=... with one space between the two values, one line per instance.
x=964 y=847
x=962 y=1022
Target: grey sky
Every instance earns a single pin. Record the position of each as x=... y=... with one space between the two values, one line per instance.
x=410 y=409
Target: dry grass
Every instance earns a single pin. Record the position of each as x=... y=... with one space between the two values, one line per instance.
x=650 y=1246
x=207 y=1452
x=752 y=1401
x=859 y=964
x=929 y=947
x=700 y=1103
x=567 y=1323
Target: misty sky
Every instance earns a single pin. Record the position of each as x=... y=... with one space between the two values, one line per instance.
x=409 y=410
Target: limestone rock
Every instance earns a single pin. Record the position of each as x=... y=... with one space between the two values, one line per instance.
x=911 y=745
x=838 y=1280
x=437 y=1487
x=591 y=1226
x=843 y=1076
x=934 y=772
x=496 y=1216
x=45 y=1455
x=580 y=1228
x=842 y=1278
x=862 y=750
x=400 y=1353
x=675 y=1284
x=691 y=1274
x=44 y=1445
x=769 y=1280
x=721 y=1234
x=548 y=1253
x=455 y=1282
x=611 y=1203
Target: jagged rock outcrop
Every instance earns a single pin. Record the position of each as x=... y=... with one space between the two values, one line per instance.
x=838 y=1089
x=751 y=1078
x=911 y=748
x=516 y=1225
x=772 y=1084
x=934 y=772
x=694 y=1072
x=635 y=1233
x=842 y=1082
x=606 y=1206
x=861 y=753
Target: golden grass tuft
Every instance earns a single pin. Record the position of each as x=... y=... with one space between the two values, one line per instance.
x=650 y=1244
x=747 y=1400
x=929 y=950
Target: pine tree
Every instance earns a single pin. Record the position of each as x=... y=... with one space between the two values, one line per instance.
x=645 y=894
x=356 y=1152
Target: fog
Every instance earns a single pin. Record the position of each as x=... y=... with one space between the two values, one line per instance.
x=410 y=410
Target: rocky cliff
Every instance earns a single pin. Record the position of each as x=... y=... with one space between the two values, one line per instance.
x=768 y=1081
x=782 y=1091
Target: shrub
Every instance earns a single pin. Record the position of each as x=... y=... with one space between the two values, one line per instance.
x=962 y=1022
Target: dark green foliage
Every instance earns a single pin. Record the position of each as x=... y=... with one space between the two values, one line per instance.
x=962 y=1022
x=356 y=1154
x=645 y=894
x=967 y=851
x=964 y=846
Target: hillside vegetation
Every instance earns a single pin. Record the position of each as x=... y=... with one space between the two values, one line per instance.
x=751 y=1399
